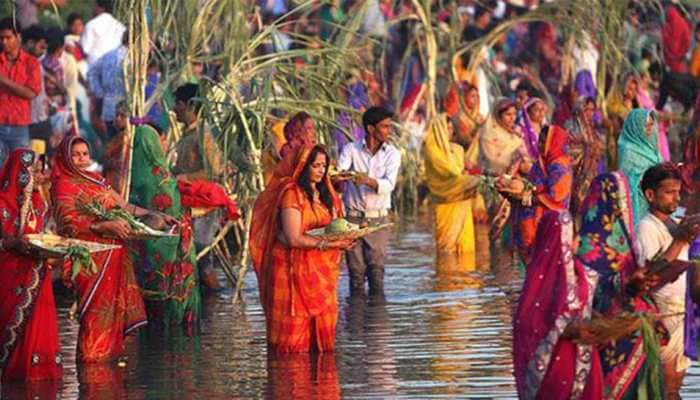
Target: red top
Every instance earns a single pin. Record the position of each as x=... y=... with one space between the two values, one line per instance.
x=26 y=72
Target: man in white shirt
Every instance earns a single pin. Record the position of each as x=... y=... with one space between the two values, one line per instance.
x=659 y=235
x=367 y=197
x=102 y=33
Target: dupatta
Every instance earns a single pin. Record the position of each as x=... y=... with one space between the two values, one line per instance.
x=444 y=165
x=638 y=152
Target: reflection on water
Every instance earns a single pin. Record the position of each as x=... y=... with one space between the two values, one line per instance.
x=443 y=332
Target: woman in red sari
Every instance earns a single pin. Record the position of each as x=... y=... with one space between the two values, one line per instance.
x=109 y=301
x=29 y=349
x=297 y=273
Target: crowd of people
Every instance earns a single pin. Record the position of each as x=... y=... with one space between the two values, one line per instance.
x=582 y=193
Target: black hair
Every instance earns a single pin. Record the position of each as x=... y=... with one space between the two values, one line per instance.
x=74 y=16
x=479 y=11
x=697 y=27
x=375 y=115
x=655 y=68
x=8 y=24
x=305 y=183
x=188 y=94
x=55 y=40
x=655 y=175
x=107 y=5
x=524 y=86
x=589 y=100
x=35 y=33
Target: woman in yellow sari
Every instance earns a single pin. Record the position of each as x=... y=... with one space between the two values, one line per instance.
x=452 y=190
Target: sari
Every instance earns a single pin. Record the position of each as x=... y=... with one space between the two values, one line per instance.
x=109 y=302
x=585 y=163
x=631 y=365
x=637 y=152
x=452 y=191
x=297 y=286
x=467 y=122
x=29 y=348
x=496 y=150
x=558 y=290
x=168 y=265
x=617 y=113
x=676 y=37
x=552 y=176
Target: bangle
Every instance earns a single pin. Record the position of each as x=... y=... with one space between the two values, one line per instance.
x=322 y=244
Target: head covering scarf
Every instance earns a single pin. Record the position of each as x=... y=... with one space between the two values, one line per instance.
x=676 y=35
x=496 y=149
x=64 y=167
x=444 y=164
x=294 y=133
x=637 y=152
x=529 y=135
x=557 y=290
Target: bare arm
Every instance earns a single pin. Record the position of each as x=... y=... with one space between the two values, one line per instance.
x=294 y=237
x=291 y=228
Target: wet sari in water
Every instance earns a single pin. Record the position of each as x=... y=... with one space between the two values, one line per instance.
x=557 y=291
x=29 y=349
x=168 y=266
x=637 y=152
x=109 y=302
x=552 y=177
x=452 y=191
x=631 y=366
x=297 y=286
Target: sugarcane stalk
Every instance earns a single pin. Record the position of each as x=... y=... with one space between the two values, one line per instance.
x=245 y=254
x=222 y=233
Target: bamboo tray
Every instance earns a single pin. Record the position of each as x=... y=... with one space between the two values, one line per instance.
x=350 y=234
x=57 y=246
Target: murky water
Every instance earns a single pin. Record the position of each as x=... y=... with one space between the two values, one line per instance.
x=441 y=333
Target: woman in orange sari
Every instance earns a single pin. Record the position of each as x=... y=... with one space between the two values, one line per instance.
x=109 y=301
x=29 y=349
x=297 y=273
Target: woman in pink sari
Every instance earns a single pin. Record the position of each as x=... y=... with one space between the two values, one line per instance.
x=558 y=292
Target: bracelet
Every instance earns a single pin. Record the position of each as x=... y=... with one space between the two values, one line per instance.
x=322 y=244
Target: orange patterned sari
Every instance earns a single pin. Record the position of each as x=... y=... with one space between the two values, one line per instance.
x=297 y=286
x=110 y=304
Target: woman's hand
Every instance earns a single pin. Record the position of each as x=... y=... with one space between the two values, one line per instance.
x=641 y=281
x=525 y=167
x=167 y=219
x=342 y=244
x=510 y=186
x=117 y=228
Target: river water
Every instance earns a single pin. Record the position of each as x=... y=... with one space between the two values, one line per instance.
x=441 y=333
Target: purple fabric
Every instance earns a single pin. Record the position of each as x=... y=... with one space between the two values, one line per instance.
x=358 y=99
x=584 y=84
x=692 y=311
x=529 y=135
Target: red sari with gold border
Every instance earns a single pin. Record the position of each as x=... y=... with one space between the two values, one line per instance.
x=110 y=305
x=29 y=349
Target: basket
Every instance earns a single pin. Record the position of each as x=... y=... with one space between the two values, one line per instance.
x=55 y=246
x=347 y=235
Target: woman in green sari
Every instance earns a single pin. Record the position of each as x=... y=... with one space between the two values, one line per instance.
x=167 y=266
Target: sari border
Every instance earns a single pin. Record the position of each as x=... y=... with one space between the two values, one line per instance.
x=134 y=326
x=537 y=367
x=22 y=313
x=95 y=285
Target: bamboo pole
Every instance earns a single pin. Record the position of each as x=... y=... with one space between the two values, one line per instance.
x=135 y=77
